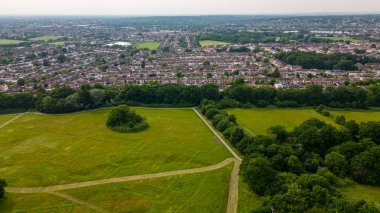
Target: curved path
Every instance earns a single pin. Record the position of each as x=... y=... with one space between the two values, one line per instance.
x=26 y=190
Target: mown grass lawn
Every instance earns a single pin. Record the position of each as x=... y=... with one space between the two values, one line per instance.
x=358 y=115
x=257 y=121
x=208 y=43
x=42 y=203
x=356 y=192
x=248 y=200
x=5 y=118
x=43 y=150
x=44 y=38
x=201 y=192
x=148 y=45
x=9 y=42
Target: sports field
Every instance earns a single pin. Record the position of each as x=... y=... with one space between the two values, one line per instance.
x=45 y=38
x=208 y=43
x=148 y=45
x=257 y=121
x=9 y=42
x=78 y=147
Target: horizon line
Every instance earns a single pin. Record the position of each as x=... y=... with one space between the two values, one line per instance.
x=205 y=14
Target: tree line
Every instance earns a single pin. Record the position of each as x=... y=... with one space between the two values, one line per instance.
x=313 y=60
x=64 y=99
x=298 y=171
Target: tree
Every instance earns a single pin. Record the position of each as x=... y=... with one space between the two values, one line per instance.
x=276 y=73
x=258 y=174
x=61 y=58
x=337 y=163
x=143 y=63
x=123 y=119
x=3 y=184
x=21 y=82
x=340 y=119
x=46 y=63
x=370 y=130
x=85 y=98
x=209 y=75
x=235 y=134
x=97 y=96
x=366 y=166
x=294 y=165
x=278 y=132
x=210 y=113
x=206 y=63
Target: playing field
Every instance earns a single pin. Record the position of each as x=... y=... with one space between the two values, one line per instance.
x=44 y=38
x=257 y=121
x=70 y=148
x=208 y=43
x=9 y=42
x=201 y=192
x=148 y=45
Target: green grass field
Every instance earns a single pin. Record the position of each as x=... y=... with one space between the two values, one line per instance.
x=341 y=39
x=202 y=192
x=208 y=43
x=9 y=42
x=44 y=38
x=356 y=192
x=58 y=43
x=77 y=147
x=358 y=115
x=257 y=121
x=42 y=203
x=148 y=45
x=248 y=200
x=5 y=118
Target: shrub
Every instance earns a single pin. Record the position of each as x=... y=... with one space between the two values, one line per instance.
x=2 y=185
x=340 y=119
x=123 y=119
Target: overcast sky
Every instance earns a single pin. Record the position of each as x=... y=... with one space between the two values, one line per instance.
x=184 y=7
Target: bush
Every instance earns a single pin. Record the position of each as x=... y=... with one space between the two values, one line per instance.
x=340 y=119
x=2 y=185
x=123 y=119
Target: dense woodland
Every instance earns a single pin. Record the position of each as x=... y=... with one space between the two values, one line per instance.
x=239 y=94
x=298 y=171
x=312 y=60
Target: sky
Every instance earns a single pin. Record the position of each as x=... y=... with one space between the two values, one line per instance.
x=185 y=7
